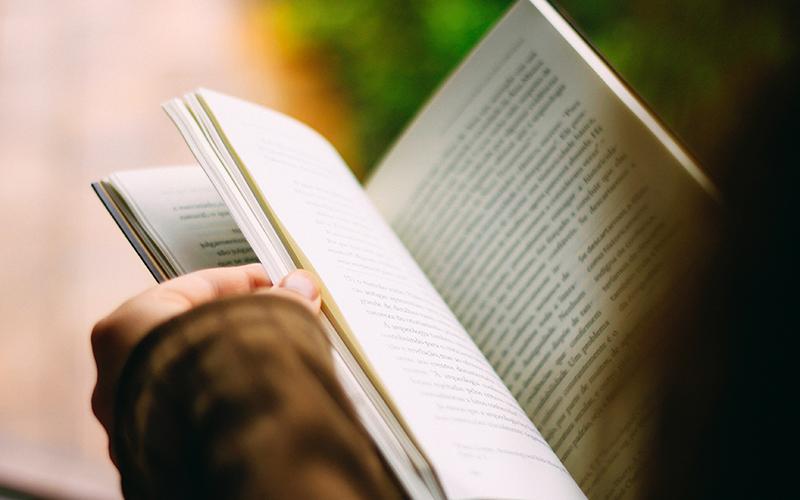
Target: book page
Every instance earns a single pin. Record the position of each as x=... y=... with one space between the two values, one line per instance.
x=474 y=433
x=181 y=212
x=556 y=221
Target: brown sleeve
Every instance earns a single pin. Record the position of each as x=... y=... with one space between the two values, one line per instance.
x=238 y=399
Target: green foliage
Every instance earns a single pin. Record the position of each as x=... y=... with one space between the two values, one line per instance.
x=388 y=57
x=691 y=60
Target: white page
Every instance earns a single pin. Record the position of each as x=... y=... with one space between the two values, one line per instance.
x=472 y=430
x=182 y=212
x=552 y=219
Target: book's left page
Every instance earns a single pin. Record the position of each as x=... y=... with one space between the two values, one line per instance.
x=484 y=447
x=175 y=220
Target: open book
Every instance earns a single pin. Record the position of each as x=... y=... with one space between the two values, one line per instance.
x=491 y=293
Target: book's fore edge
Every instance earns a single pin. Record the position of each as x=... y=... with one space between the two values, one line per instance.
x=630 y=97
x=130 y=234
x=332 y=313
x=222 y=169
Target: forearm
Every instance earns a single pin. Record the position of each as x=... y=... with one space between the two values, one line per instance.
x=238 y=399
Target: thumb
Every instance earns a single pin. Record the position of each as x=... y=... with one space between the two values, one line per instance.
x=302 y=286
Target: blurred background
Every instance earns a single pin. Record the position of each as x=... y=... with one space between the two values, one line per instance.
x=80 y=87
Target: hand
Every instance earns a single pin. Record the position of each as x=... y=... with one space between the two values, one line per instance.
x=115 y=336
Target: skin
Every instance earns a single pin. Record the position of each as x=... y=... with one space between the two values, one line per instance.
x=115 y=336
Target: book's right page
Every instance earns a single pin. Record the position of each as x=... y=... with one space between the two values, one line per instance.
x=558 y=219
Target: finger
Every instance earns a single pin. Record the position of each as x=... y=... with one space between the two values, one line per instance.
x=204 y=286
x=143 y=312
